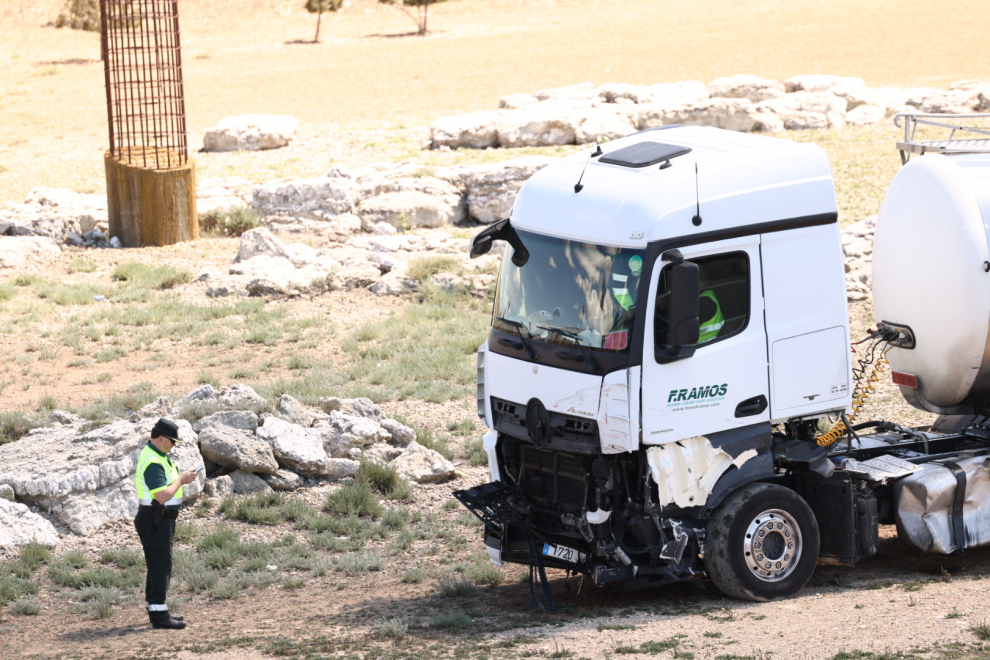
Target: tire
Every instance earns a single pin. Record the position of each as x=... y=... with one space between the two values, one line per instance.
x=747 y=566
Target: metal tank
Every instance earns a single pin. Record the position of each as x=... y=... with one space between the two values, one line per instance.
x=931 y=276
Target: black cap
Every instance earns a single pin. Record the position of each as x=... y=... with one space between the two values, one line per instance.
x=167 y=428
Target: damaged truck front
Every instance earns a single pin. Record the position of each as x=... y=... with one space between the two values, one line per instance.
x=669 y=330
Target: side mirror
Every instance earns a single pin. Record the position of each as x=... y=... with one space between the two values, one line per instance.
x=500 y=231
x=683 y=325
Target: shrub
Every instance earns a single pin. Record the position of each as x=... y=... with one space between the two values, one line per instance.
x=355 y=498
x=98 y=602
x=452 y=586
x=14 y=426
x=25 y=608
x=424 y=268
x=231 y=221
x=81 y=265
x=474 y=451
x=33 y=555
x=384 y=479
x=146 y=277
x=221 y=537
x=263 y=508
x=485 y=573
x=392 y=628
x=451 y=620
x=358 y=563
x=13 y=588
x=122 y=557
x=395 y=518
x=7 y=291
x=415 y=575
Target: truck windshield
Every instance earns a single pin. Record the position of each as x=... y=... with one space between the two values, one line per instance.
x=570 y=293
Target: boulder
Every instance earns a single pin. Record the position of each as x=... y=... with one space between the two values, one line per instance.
x=538 y=125
x=411 y=209
x=6 y=492
x=394 y=284
x=422 y=465
x=674 y=94
x=246 y=482
x=260 y=241
x=730 y=114
x=232 y=447
x=491 y=189
x=55 y=213
x=160 y=407
x=357 y=274
x=473 y=130
x=282 y=480
x=602 y=124
x=382 y=454
x=866 y=115
x=250 y=133
x=240 y=397
x=64 y=417
x=345 y=432
x=294 y=411
x=237 y=419
x=402 y=435
x=220 y=487
x=360 y=407
x=339 y=468
x=86 y=480
x=322 y=198
x=806 y=110
x=744 y=86
x=17 y=251
x=295 y=447
x=957 y=102
x=20 y=526
x=823 y=83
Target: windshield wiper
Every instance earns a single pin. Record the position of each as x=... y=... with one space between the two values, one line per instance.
x=530 y=353
x=577 y=341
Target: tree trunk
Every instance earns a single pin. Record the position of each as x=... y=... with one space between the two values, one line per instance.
x=319 y=17
x=424 y=8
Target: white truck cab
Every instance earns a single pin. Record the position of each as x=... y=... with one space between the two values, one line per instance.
x=670 y=324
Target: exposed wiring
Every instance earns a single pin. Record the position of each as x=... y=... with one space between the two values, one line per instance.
x=864 y=386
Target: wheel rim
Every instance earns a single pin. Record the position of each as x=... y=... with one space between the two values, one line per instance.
x=772 y=545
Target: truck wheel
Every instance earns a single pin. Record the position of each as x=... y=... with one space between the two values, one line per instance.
x=761 y=543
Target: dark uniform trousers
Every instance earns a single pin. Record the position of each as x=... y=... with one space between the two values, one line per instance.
x=156 y=539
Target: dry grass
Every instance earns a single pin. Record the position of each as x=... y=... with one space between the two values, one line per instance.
x=246 y=58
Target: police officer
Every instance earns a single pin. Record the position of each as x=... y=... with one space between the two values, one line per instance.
x=159 y=490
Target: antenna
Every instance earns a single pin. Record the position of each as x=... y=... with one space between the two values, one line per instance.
x=697 y=199
x=578 y=187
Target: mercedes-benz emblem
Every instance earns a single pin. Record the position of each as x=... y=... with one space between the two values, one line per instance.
x=537 y=422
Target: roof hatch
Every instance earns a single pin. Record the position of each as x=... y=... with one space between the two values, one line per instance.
x=644 y=154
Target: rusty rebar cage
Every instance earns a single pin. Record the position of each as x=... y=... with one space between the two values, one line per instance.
x=142 y=64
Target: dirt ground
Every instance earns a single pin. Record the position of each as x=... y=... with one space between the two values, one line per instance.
x=366 y=94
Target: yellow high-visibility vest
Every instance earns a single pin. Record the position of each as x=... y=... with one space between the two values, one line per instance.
x=149 y=456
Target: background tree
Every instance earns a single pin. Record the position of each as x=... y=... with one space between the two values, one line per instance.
x=80 y=15
x=422 y=8
x=318 y=7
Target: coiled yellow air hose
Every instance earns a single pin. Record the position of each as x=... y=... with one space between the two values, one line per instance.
x=861 y=392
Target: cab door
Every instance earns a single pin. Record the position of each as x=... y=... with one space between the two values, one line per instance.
x=724 y=384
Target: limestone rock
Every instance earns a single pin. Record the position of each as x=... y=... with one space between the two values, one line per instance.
x=322 y=198
x=866 y=115
x=822 y=83
x=295 y=447
x=220 y=487
x=16 y=251
x=360 y=407
x=730 y=114
x=345 y=432
x=673 y=94
x=250 y=133
x=20 y=526
x=63 y=417
x=86 y=480
x=382 y=453
x=474 y=130
x=237 y=448
x=160 y=407
x=402 y=435
x=744 y=86
x=54 y=213
x=412 y=208
x=294 y=411
x=805 y=110
x=356 y=274
x=538 y=125
x=491 y=189
x=282 y=480
x=394 y=284
x=245 y=420
x=602 y=124
x=339 y=468
x=422 y=465
x=239 y=397
x=246 y=482
x=6 y=492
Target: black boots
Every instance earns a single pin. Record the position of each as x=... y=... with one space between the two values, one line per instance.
x=171 y=624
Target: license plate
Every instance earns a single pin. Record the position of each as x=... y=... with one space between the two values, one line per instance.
x=565 y=554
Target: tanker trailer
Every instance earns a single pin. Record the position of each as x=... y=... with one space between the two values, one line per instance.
x=669 y=335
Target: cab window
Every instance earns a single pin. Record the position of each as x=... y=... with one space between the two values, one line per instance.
x=723 y=310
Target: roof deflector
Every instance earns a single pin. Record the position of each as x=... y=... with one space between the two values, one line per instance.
x=644 y=154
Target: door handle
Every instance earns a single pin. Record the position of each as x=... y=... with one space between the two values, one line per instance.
x=569 y=355
x=752 y=406
x=511 y=343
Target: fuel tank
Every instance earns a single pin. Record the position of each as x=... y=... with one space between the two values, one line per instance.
x=931 y=273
